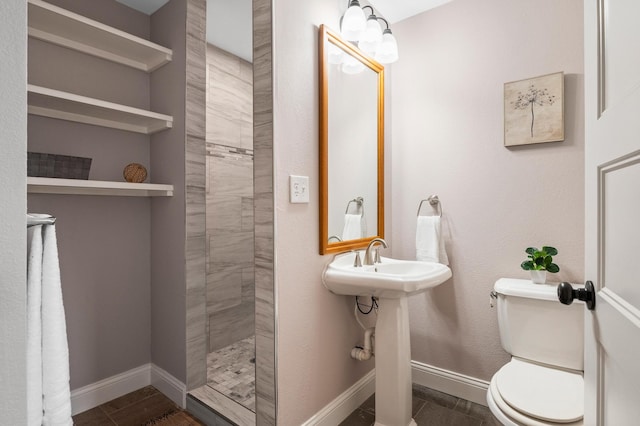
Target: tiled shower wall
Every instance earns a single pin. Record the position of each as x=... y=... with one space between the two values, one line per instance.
x=230 y=224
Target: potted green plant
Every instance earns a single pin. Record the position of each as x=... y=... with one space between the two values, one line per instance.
x=540 y=262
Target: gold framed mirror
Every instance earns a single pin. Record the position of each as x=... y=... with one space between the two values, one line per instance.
x=351 y=145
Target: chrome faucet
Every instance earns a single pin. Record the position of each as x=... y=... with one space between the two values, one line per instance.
x=373 y=257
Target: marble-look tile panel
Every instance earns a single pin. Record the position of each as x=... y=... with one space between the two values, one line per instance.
x=248 y=284
x=230 y=92
x=225 y=212
x=195 y=163
x=196 y=107
x=232 y=177
x=195 y=249
x=246 y=72
x=261 y=178
x=246 y=214
x=224 y=289
x=196 y=329
x=196 y=214
x=230 y=99
x=264 y=212
x=230 y=325
x=225 y=131
x=231 y=248
x=246 y=131
x=223 y=61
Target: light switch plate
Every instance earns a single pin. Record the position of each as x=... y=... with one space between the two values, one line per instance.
x=298 y=189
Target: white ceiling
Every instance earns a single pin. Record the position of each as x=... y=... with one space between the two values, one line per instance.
x=229 y=21
x=229 y=26
x=144 y=6
x=397 y=10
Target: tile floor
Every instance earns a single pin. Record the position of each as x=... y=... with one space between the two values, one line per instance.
x=430 y=408
x=231 y=371
x=144 y=407
x=149 y=407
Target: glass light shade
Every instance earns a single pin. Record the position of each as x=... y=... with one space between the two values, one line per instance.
x=351 y=65
x=387 y=52
x=353 y=22
x=335 y=54
x=371 y=37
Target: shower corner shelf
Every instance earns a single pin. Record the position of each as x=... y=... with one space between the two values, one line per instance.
x=64 y=28
x=39 y=185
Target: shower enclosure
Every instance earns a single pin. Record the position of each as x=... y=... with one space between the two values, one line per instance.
x=230 y=227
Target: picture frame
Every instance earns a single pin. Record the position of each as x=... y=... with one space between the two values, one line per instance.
x=534 y=110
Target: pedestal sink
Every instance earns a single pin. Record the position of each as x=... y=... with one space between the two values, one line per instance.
x=391 y=281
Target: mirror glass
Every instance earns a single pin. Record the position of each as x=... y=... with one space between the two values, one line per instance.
x=351 y=145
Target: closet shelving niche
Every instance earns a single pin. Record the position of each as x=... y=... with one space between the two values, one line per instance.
x=62 y=27
x=58 y=26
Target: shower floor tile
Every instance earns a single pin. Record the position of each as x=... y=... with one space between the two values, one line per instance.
x=231 y=371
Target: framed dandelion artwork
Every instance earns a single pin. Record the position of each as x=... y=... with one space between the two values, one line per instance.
x=534 y=110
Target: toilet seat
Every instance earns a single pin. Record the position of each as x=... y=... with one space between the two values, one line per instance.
x=558 y=395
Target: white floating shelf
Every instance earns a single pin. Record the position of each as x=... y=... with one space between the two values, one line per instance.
x=40 y=185
x=62 y=27
x=68 y=106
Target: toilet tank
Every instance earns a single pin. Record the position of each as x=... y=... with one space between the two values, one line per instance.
x=535 y=326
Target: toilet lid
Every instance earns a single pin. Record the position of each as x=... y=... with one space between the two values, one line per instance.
x=542 y=392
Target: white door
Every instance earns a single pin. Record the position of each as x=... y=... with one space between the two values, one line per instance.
x=612 y=191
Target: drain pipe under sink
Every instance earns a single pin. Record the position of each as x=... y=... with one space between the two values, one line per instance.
x=363 y=354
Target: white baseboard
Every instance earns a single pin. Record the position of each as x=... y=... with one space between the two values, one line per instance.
x=452 y=383
x=449 y=382
x=340 y=408
x=171 y=387
x=90 y=396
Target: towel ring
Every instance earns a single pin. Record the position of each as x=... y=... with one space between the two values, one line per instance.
x=435 y=203
x=359 y=203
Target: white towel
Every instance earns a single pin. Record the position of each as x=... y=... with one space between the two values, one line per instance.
x=34 y=326
x=55 y=349
x=49 y=398
x=429 y=241
x=353 y=224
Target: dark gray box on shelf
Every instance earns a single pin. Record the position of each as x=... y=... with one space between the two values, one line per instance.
x=57 y=166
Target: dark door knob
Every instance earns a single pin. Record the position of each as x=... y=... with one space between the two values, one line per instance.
x=566 y=294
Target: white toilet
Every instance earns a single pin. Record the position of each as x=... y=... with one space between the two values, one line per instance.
x=543 y=383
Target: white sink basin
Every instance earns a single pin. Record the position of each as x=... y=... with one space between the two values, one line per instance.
x=390 y=279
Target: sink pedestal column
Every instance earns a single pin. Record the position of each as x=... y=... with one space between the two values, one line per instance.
x=393 y=364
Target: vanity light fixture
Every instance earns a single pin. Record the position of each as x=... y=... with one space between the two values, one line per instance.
x=351 y=65
x=371 y=39
x=387 y=51
x=353 y=22
x=372 y=35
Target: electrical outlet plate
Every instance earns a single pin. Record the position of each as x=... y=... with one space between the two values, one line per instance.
x=298 y=189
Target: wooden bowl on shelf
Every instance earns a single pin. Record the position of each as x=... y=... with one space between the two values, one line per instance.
x=134 y=173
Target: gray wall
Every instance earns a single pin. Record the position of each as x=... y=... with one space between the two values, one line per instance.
x=13 y=139
x=168 y=299
x=448 y=140
x=178 y=299
x=316 y=329
x=103 y=241
x=230 y=225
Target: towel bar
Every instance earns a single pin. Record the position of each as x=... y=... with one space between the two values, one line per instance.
x=435 y=203
x=359 y=202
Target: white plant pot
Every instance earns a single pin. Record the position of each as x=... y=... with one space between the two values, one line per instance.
x=538 y=277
